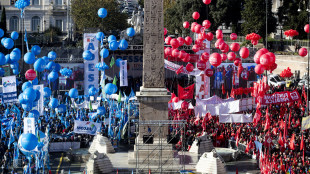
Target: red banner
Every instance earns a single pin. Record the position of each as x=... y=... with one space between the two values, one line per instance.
x=192 y=58
x=186 y=93
x=280 y=97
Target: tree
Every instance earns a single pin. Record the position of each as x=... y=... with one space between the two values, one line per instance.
x=141 y=3
x=52 y=34
x=254 y=16
x=84 y=13
x=3 y=21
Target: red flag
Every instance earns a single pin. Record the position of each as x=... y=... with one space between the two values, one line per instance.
x=172 y=96
x=223 y=89
x=149 y=171
x=232 y=93
x=227 y=96
x=117 y=171
x=197 y=121
x=292 y=142
x=280 y=141
x=186 y=93
x=304 y=93
x=267 y=124
x=289 y=119
x=180 y=70
x=234 y=79
x=247 y=149
x=237 y=136
x=302 y=143
x=236 y=170
x=257 y=116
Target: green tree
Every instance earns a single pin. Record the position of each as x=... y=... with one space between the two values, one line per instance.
x=52 y=34
x=254 y=16
x=84 y=13
x=290 y=18
x=3 y=21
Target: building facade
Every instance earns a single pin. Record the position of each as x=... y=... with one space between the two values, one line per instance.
x=39 y=16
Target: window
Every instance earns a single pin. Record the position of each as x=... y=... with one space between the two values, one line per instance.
x=13 y=2
x=14 y=23
x=35 y=23
x=59 y=24
x=58 y=2
x=35 y=2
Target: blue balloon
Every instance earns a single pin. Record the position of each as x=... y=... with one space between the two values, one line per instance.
x=130 y=32
x=118 y=62
x=27 y=107
x=2 y=59
x=8 y=43
x=45 y=58
x=29 y=95
x=26 y=85
x=15 y=55
x=123 y=44
x=39 y=65
x=18 y=50
x=14 y=65
x=113 y=45
x=14 y=35
x=34 y=114
x=7 y=59
x=50 y=66
x=99 y=36
x=21 y=98
x=2 y=72
x=1 y=33
x=35 y=81
x=73 y=93
x=104 y=53
x=102 y=12
x=52 y=76
x=28 y=141
x=61 y=109
x=53 y=103
x=87 y=55
x=110 y=88
x=38 y=95
x=16 y=71
x=92 y=91
x=52 y=55
x=101 y=110
x=47 y=92
x=29 y=58
x=56 y=68
x=36 y=50
x=111 y=38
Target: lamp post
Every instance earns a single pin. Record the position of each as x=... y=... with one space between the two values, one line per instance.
x=307 y=10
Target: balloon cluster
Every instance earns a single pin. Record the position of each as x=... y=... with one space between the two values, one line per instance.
x=286 y=73
x=92 y=91
x=291 y=33
x=101 y=66
x=253 y=37
x=28 y=97
x=66 y=72
x=21 y=4
x=265 y=60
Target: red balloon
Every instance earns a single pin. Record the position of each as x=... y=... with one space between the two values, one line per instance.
x=306 y=28
x=182 y=54
x=233 y=36
x=244 y=52
x=30 y=74
x=257 y=56
x=264 y=60
x=167 y=40
x=218 y=43
x=237 y=61
x=219 y=35
x=303 y=52
x=205 y=57
x=222 y=46
x=181 y=41
x=197 y=28
x=168 y=51
x=193 y=26
x=207 y=2
x=219 y=31
x=264 y=50
x=272 y=58
x=203 y=35
x=234 y=47
x=188 y=40
x=165 y=31
x=184 y=105
x=186 y=58
x=201 y=65
x=206 y=24
x=196 y=48
x=259 y=69
x=231 y=56
x=215 y=59
x=175 y=53
x=209 y=72
x=226 y=49
x=196 y=15
x=186 y=24
x=254 y=42
x=174 y=43
x=189 y=67
x=224 y=57
x=175 y=99
x=209 y=36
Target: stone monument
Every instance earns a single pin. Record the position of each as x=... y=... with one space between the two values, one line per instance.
x=153 y=95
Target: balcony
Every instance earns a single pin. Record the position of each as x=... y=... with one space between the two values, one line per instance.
x=59 y=10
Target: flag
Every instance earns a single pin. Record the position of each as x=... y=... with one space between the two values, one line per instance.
x=237 y=170
x=280 y=141
x=132 y=172
x=180 y=70
x=112 y=62
x=115 y=80
x=132 y=94
x=267 y=124
x=186 y=93
x=232 y=93
x=69 y=172
x=289 y=119
x=292 y=142
x=90 y=106
x=302 y=143
x=223 y=89
x=119 y=97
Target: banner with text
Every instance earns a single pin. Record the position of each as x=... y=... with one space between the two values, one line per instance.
x=91 y=74
x=279 y=97
x=9 y=89
x=305 y=123
x=86 y=127
x=29 y=125
x=40 y=102
x=123 y=73
x=235 y=118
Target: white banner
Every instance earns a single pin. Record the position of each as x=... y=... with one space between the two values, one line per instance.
x=235 y=118
x=86 y=127
x=91 y=74
x=9 y=89
x=40 y=105
x=123 y=73
x=202 y=83
x=29 y=125
x=174 y=67
x=177 y=105
x=217 y=109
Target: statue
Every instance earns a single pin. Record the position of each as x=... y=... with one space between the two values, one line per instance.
x=137 y=21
